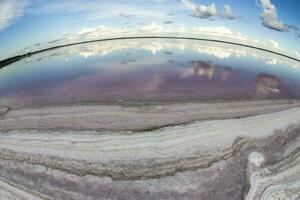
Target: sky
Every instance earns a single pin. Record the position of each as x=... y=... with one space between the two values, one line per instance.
x=28 y=25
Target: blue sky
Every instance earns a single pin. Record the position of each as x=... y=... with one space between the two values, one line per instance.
x=41 y=23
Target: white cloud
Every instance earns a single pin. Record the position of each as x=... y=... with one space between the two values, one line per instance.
x=266 y=4
x=219 y=50
x=274 y=43
x=219 y=32
x=189 y=4
x=208 y=11
x=216 y=51
x=228 y=12
x=201 y=11
x=106 y=31
x=10 y=11
x=269 y=16
x=297 y=54
x=273 y=61
x=154 y=29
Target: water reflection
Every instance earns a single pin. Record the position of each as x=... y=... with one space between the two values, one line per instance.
x=267 y=85
x=226 y=73
x=145 y=71
x=218 y=50
x=202 y=68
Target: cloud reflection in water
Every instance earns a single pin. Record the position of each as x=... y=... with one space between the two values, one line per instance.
x=139 y=70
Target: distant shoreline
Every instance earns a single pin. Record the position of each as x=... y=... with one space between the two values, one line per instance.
x=8 y=61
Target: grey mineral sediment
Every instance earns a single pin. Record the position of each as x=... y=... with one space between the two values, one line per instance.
x=217 y=150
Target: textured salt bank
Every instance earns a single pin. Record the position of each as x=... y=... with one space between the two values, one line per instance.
x=208 y=138
x=10 y=191
x=134 y=118
x=218 y=150
x=277 y=181
x=256 y=159
x=3 y=110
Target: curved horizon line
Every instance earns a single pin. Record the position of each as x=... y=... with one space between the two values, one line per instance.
x=13 y=59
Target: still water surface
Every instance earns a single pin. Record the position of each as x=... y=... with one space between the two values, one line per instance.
x=148 y=70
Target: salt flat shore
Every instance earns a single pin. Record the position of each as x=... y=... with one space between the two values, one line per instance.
x=217 y=150
x=133 y=117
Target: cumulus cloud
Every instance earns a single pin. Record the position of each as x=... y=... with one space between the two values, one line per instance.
x=269 y=19
x=269 y=16
x=201 y=11
x=10 y=11
x=147 y=29
x=274 y=43
x=228 y=12
x=221 y=32
x=209 y=11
